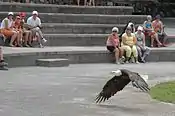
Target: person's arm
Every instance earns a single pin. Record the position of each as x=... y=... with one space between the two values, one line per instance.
x=134 y=39
x=162 y=27
x=5 y=23
x=143 y=36
x=39 y=23
x=124 y=40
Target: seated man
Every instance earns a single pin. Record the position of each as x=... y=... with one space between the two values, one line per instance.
x=148 y=28
x=112 y=45
x=129 y=45
x=143 y=51
x=159 y=29
x=35 y=23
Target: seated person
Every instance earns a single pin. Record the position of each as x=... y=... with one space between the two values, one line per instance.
x=132 y=27
x=143 y=51
x=112 y=45
x=7 y=30
x=129 y=45
x=27 y=34
x=159 y=29
x=35 y=22
x=148 y=28
x=17 y=27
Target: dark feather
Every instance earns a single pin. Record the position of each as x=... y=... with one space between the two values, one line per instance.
x=114 y=85
x=117 y=83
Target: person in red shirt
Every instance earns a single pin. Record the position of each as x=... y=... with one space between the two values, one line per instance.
x=113 y=45
x=27 y=34
x=159 y=29
x=17 y=27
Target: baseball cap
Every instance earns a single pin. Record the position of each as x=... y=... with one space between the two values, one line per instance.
x=10 y=13
x=22 y=14
x=35 y=12
x=140 y=28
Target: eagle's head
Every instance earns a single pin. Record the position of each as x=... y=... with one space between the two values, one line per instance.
x=118 y=73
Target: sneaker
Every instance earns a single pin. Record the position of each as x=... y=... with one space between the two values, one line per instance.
x=117 y=62
x=3 y=68
x=122 y=60
x=127 y=62
x=44 y=40
x=143 y=60
x=137 y=62
x=41 y=46
x=3 y=64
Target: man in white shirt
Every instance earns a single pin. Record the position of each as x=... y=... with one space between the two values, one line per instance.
x=35 y=23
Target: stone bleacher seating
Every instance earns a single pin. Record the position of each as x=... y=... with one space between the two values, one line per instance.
x=67 y=27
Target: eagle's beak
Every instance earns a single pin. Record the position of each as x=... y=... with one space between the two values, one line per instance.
x=145 y=77
x=116 y=73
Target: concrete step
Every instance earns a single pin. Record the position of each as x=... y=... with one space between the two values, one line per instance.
x=82 y=39
x=86 y=18
x=47 y=8
x=57 y=62
x=77 y=28
x=17 y=57
x=76 y=39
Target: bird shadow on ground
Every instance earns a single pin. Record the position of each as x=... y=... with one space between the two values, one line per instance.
x=120 y=108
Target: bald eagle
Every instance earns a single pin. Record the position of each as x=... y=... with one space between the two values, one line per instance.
x=122 y=78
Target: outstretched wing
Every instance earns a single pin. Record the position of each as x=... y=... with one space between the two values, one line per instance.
x=117 y=83
x=139 y=82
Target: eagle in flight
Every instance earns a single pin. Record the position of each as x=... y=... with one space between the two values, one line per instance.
x=122 y=78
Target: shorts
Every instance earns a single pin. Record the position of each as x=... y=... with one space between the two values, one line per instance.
x=150 y=33
x=7 y=33
x=111 y=48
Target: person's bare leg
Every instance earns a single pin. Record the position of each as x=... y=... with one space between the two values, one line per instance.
x=19 y=36
x=121 y=55
x=30 y=38
x=117 y=53
x=78 y=2
x=26 y=37
x=85 y=2
x=157 y=39
x=14 y=36
x=2 y=62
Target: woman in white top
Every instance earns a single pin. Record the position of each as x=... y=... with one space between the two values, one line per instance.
x=143 y=51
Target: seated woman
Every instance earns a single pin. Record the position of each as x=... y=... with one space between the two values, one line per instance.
x=113 y=44
x=148 y=28
x=143 y=51
x=159 y=29
x=129 y=45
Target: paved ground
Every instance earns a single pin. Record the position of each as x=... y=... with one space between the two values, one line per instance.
x=70 y=91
